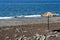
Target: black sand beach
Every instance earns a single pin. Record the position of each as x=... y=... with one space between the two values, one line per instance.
x=14 y=29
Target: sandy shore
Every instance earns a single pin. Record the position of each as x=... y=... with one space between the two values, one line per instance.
x=15 y=32
x=29 y=21
x=14 y=29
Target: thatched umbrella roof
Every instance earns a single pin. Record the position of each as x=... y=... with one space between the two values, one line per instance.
x=47 y=14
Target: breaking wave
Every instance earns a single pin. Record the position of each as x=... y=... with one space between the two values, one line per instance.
x=6 y=17
x=21 y=16
x=29 y=16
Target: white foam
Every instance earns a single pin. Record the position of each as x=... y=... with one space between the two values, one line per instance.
x=6 y=17
x=33 y=16
x=27 y=16
x=30 y=16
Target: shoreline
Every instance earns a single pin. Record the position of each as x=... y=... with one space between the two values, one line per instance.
x=43 y=20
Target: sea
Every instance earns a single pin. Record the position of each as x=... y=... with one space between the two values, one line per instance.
x=9 y=10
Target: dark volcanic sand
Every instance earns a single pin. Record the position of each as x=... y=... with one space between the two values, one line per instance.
x=29 y=30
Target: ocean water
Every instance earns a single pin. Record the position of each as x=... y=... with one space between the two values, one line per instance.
x=18 y=9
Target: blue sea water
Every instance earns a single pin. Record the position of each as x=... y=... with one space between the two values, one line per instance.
x=17 y=9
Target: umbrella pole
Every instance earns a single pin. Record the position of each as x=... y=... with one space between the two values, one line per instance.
x=48 y=22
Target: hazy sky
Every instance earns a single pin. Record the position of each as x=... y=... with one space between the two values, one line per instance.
x=22 y=1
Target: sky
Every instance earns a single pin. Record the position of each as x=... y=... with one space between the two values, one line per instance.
x=28 y=1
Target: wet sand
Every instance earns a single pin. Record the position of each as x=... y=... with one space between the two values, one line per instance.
x=29 y=21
